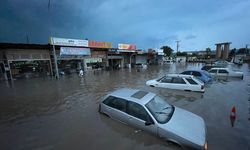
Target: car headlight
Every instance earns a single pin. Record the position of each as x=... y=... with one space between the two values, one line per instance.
x=205 y=146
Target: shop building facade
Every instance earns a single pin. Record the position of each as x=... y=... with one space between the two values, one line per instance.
x=24 y=61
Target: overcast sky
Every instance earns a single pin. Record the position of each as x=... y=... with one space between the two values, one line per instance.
x=198 y=24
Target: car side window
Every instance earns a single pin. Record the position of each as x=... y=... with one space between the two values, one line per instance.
x=213 y=71
x=196 y=74
x=116 y=103
x=137 y=111
x=178 y=80
x=223 y=71
x=191 y=81
x=166 y=80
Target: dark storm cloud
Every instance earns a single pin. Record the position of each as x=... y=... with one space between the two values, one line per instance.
x=146 y=23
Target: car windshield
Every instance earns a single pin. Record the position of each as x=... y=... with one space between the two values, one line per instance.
x=160 y=109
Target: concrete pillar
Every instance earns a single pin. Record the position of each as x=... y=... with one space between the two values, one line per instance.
x=226 y=50
x=218 y=51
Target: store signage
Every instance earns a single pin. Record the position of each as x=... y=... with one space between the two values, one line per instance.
x=96 y=44
x=68 y=42
x=74 y=51
x=127 y=46
x=93 y=60
x=129 y=51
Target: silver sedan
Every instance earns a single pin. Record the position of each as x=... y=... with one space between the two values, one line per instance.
x=149 y=112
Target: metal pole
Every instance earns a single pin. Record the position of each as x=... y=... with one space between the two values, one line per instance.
x=55 y=60
x=177 y=45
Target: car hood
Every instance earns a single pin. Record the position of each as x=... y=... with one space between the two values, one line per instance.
x=149 y=82
x=188 y=126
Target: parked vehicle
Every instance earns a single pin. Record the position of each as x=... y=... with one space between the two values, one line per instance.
x=202 y=75
x=149 y=112
x=168 y=62
x=208 y=67
x=222 y=63
x=226 y=72
x=178 y=82
x=140 y=65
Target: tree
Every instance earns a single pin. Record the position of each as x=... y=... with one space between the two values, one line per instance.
x=167 y=50
x=208 y=52
x=181 y=54
x=232 y=52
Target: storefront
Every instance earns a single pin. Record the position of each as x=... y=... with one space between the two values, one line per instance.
x=99 y=53
x=68 y=55
x=71 y=59
x=141 y=57
x=24 y=61
x=115 y=60
x=128 y=52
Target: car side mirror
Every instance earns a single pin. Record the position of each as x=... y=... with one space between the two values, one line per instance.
x=148 y=123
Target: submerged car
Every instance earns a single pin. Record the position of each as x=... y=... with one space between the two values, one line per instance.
x=222 y=63
x=149 y=112
x=202 y=75
x=226 y=72
x=208 y=67
x=168 y=62
x=178 y=82
x=141 y=65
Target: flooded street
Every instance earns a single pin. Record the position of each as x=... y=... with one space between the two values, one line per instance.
x=45 y=114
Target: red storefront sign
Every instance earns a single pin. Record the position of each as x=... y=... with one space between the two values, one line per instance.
x=100 y=44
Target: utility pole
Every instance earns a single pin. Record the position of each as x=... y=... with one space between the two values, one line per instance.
x=177 y=42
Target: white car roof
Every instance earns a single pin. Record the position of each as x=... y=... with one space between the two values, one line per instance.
x=180 y=75
x=218 y=68
x=134 y=95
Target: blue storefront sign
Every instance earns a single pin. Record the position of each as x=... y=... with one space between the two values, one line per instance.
x=64 y=51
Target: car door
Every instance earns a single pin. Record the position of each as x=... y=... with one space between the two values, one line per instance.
x=223 y=72
x=179 y=83
x=117 y=108
x=194 y=86
x=213 y=72
x=165 y=82
x=138 y=116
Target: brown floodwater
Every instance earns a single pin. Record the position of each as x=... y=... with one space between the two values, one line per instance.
x=45 y=113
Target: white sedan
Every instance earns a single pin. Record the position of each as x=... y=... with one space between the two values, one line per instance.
x=178 y=82
x=226 y=72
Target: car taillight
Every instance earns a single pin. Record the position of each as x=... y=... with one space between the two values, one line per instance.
x=202 y=87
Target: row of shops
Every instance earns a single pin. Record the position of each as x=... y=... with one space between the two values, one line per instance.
x=66 y=56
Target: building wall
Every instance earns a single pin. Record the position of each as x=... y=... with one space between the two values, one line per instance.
x=141 y=59
x=98 y=54
x=180 y=59
x=24 y=54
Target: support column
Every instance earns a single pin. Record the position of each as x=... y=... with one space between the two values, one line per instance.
x=218 y=51
x=55 y=62
x=226 y=51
